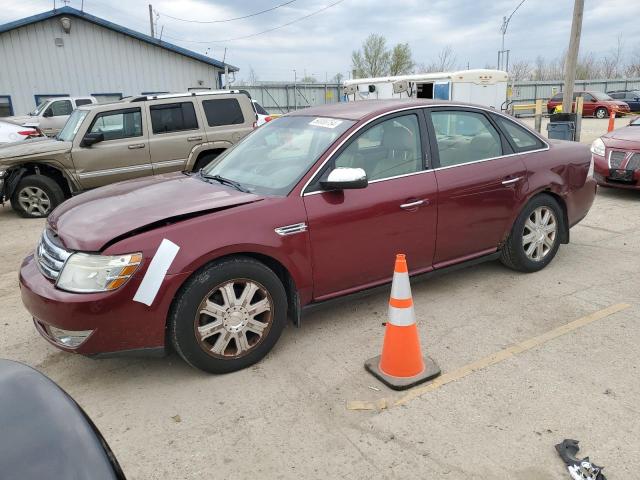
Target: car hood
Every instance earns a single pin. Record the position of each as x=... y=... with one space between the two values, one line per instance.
x=34 y=146
x=90 y=220
x=627 y=134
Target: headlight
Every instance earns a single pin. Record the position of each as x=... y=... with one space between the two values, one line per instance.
x=85 y=273
x=597 y=147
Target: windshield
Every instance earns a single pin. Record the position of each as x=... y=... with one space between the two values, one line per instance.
x=73 y=124
x=273 y=158
x=601 y=96
x=41 y=106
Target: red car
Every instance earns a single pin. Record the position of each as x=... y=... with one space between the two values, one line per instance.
x=310 y=207
x=596 y=104
x=617 y=157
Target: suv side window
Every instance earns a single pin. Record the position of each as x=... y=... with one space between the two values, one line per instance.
x=173 y=117
x=464 y=137
x=388 y=149
x=118 y=124
x=82 y=101
x=522 y=139
x=223 y=111
x=60 y=108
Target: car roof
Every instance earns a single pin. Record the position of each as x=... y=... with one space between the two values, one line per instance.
x=366 y=108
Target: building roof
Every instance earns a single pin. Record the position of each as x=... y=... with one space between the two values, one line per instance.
x=72 y=12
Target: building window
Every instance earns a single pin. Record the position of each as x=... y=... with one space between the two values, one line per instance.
x=173 y=117
x=43 y=98
x=107 y=97
x=224 y=111
x=6 y=108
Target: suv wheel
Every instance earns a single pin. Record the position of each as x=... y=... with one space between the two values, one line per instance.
x=228 y=316
x=602 y=113
x=36 y=196
x=535 y=237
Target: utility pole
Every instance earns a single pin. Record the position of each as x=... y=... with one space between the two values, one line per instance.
x=295 y=90
x=572 y=56
x=503 y=55
x=151 y=19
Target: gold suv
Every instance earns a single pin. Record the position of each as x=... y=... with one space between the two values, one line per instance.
x=135 y=137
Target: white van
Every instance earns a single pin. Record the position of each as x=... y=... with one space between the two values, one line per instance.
x=51 y=114
x=481 y=86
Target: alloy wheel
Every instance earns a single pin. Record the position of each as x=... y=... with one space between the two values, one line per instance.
x=539 y=233
x=234 y=318
x=34 y=201
x=601 y=113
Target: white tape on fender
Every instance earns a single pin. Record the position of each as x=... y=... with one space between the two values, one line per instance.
x=158 y=268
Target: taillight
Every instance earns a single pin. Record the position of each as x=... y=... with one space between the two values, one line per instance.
x=27 y=133
x=267 y=119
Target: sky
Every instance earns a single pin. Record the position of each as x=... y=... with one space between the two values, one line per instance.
x=321 y=44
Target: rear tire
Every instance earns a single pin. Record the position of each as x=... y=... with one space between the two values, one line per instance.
x=601 y=113
x=535 y=237
x=228 y=316
x=36 y=196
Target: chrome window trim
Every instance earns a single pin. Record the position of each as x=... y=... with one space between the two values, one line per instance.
x=546 y=147
x=111 y=171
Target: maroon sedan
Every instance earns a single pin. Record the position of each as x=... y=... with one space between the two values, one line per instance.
x=595 y=104
x=310 y=207
x=617 y=157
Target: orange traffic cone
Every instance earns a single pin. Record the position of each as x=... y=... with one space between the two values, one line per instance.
x=612 y=120
x=401 y=364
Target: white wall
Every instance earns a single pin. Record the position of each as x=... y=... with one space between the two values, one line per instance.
x=93 y=60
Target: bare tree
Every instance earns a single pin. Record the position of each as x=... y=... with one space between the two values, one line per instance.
x=373 y=59
x=308 y=79
x=401 y=61
x=611 y=62
x=520 y=70
x=337 y=78
x=445 y=61
x=252 y=78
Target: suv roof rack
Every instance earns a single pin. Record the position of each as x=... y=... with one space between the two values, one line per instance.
x=143 y=98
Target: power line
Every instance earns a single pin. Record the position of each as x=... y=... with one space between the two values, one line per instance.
x=262 y=32
x=230 y=19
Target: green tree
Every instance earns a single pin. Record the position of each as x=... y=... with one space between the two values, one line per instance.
x=401 y=61
x=373 y=59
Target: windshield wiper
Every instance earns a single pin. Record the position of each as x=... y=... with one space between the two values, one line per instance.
x=225 y=181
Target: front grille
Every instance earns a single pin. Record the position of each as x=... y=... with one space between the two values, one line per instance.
x=616 y=158
x=50 y=257
x=634 y=162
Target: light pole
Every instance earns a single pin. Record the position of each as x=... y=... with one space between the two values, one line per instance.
x=295 y=91
x=503 y=55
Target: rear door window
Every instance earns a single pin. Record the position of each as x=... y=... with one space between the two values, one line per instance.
x=223 y=111
x=118 y=124
x=173 y=117
x=521 y=139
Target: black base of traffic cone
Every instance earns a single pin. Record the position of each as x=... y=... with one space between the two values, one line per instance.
x=431 y=371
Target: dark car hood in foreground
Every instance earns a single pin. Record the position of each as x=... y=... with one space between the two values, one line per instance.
x=34 y=147
x=90 y=220
x=45 y=434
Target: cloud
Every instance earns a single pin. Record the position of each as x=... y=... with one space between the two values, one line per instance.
x=323 y=43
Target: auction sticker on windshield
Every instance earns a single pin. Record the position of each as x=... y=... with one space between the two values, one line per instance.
x=325 y=122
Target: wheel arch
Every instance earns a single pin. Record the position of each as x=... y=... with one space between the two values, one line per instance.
x=16 y=172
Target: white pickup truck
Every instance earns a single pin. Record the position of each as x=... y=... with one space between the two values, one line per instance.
x=51 y=114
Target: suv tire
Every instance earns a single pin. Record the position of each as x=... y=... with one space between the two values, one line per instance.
x=228 y=315
x=535 y=236
x=36 y=196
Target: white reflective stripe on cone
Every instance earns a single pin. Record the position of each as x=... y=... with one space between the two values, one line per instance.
x=401 y=317
x=400 y=288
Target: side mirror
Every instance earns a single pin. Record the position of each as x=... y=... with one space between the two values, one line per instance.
x=91 y=139
x=343 y=178
x=48 y=113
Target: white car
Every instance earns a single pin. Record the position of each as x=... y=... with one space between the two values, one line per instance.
x=262 y=116
x=15 y=133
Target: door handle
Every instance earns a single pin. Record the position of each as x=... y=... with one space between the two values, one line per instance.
x=511 y=181
x=136 y=145
x=194 y=139
x=417 y=203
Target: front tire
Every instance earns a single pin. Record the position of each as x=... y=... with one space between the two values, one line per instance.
x=602 y=113
x=535 y=236
x=36 y=196
x=228 y=316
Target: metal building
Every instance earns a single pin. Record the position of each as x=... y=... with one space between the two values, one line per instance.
x=66 y=52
